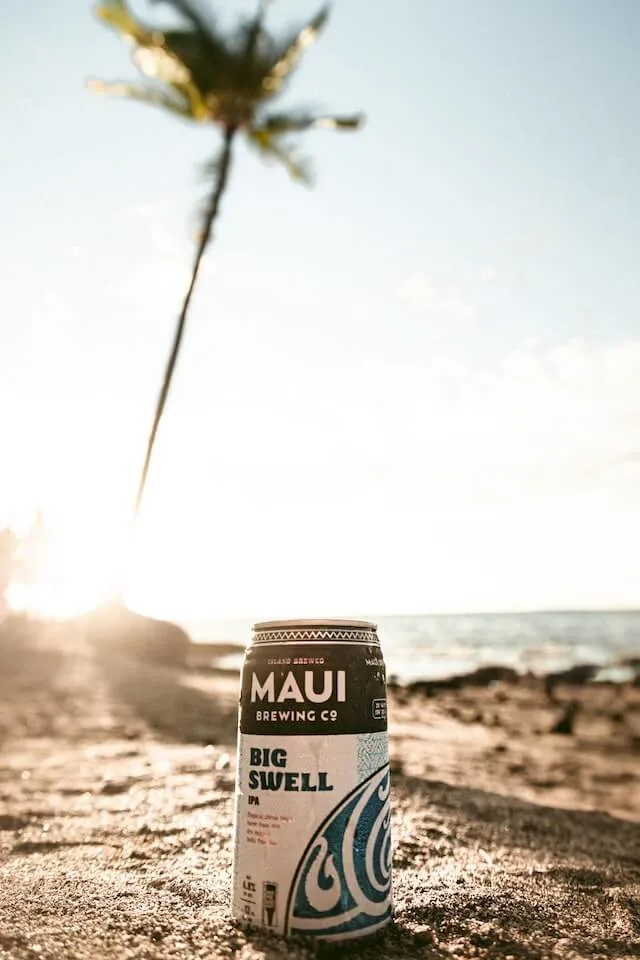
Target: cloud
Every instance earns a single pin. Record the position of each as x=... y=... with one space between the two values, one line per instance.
x=495 y=276
x=143 y=211
x=160 y=271
x=422 y=293
x=539 y=422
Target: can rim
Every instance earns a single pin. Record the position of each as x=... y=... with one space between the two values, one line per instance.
x=313 y=624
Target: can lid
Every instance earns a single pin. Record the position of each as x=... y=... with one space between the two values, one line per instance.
x=314 y=624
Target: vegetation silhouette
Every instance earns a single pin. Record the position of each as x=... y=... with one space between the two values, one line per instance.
x=8 y=546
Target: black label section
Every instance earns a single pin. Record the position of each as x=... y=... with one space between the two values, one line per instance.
x=310 y=688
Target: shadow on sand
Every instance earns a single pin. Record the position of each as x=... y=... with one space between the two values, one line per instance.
x=167 y=702
x=31 y=699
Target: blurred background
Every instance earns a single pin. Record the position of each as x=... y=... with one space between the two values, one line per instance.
x=412 y=390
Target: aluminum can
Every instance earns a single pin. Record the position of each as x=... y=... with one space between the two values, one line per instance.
x=312 y=837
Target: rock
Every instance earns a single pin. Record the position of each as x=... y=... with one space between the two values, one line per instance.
x=485 y=676
x=117 y=630
x=575 y=676
x=566 y=722
x=482 y=677
x=633 y=663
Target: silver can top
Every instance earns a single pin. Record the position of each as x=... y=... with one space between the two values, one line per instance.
x=314 y=624
x=282 y=631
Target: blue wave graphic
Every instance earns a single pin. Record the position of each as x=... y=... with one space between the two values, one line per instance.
x=343 y=882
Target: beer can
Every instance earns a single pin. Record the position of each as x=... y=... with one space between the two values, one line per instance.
x=312 y=837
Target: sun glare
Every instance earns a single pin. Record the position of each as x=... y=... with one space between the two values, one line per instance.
x=455 y=562
x=65 y=574
x=42 y=600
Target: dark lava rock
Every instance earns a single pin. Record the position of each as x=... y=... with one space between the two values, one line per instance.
x=482 y=677
x=575 y=676
x=566 y=722
x=114 y=629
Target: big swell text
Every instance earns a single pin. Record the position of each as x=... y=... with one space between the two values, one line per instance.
x=278 y=779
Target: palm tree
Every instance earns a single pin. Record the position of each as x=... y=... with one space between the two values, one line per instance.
x=200 y=74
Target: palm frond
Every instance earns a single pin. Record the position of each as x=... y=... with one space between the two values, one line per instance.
x=191 y=12
x=156 y=62
x=225 y=79
x=251 y=32
x=206 y=56
x=271 y=146
x=298 y=122
x=159 y=56
x=206 y=52
x=170 y=100
x=289 y=56
x=202 y=47
x=151 y=55
x=117 y=15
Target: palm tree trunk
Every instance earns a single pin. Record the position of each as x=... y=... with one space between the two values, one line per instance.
x=210 y=216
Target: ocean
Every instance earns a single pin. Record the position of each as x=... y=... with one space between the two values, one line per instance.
x=437 y=646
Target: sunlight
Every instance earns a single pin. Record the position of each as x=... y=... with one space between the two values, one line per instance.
x=44 y=600
x=336 y=560
x=69 y=570
x=74 y=587
x=479 y=515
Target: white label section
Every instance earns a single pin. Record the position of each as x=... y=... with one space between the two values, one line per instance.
x=286 y=787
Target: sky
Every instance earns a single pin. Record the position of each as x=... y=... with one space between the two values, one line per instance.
x=413 y=388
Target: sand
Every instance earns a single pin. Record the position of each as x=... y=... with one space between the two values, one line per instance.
x=116 y=792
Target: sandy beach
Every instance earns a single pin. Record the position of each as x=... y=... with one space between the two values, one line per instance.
x=116 y=792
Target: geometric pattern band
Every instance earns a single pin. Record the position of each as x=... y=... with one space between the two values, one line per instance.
x=315 y=633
